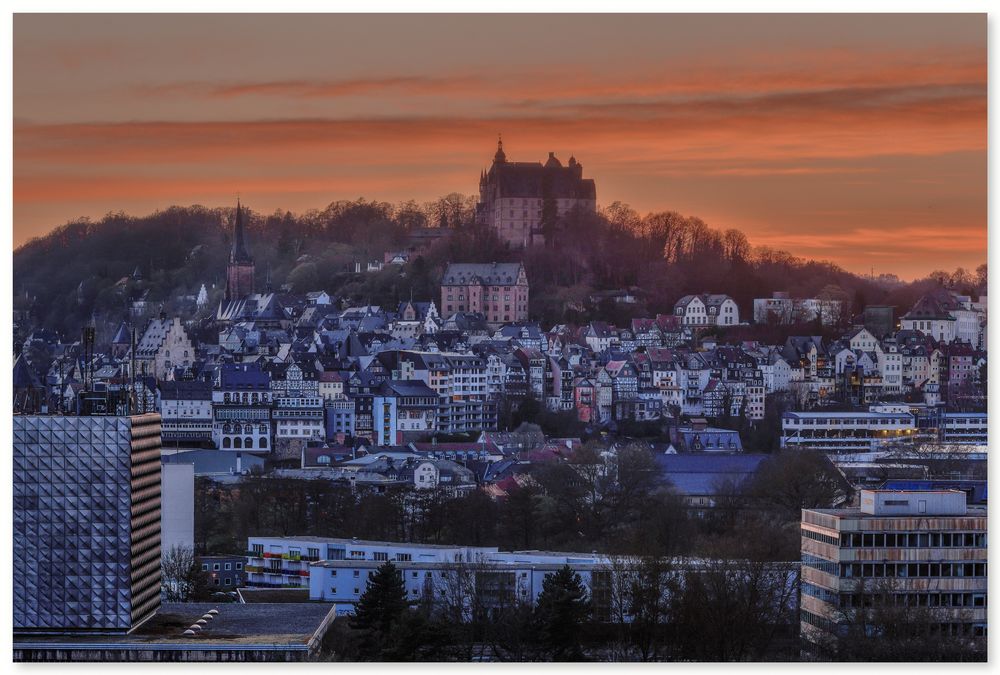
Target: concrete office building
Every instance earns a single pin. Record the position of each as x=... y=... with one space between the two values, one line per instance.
x=86 y=522
x=924 y=549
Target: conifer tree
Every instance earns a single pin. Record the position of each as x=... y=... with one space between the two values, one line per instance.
x=383 y=603
x=563 y=606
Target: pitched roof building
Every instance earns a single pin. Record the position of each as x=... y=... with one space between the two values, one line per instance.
x=497 y=290
x=513 y=196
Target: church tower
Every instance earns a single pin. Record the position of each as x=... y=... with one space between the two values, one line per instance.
x=239 y=273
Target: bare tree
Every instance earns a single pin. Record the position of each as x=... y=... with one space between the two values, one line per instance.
x=183 y=579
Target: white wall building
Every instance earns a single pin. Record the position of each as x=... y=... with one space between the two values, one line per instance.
x=176 y=506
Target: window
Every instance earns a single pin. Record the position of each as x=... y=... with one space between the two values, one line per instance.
x=229 y=581
x=378 y=555
x=239 y=566
x=215 y=567
x=229 y=566
x=204 y=567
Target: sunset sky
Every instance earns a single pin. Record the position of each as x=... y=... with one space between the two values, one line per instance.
x=856 y=139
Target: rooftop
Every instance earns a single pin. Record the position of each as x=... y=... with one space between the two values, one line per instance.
x=286 y=624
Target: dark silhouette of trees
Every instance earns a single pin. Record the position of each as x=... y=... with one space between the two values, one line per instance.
x=561 y=610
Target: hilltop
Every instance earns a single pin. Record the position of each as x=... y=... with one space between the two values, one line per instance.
x=87 y=268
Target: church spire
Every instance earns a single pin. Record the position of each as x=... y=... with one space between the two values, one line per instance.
x=239 y=253
x=240 y=271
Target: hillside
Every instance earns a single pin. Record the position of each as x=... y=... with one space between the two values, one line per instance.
x=96 y=268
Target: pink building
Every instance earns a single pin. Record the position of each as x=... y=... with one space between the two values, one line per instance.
x=497 y=290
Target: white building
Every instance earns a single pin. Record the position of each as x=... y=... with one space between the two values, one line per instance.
x=177 y=506
x=707 y=309
x=298 y=418
x=846 y=432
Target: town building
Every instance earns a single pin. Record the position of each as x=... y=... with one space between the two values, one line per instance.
x=241 y=407
x=518 y=199
x=707 y=309
x=164 y=346
x=499 y=291
x=86 y=549
x=918 y=549
x=403 y=411
x=186 y=410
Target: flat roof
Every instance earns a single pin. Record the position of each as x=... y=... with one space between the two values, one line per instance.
x=855 y=512
x=287 y=624
x=370 y=542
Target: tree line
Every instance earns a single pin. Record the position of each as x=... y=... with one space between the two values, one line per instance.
x=87 y=268
x=620 y=504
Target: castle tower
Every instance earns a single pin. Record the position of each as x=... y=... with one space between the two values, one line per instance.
x=239 y=273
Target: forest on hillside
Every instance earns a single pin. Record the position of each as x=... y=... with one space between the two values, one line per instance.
x=96 y=268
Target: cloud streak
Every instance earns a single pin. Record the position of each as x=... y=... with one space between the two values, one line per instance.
x=835 y=146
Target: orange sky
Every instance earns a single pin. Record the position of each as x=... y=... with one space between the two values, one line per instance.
x=858 y=139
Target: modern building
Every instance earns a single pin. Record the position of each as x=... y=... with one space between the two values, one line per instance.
x=846 y=432
x=518 y=198
x=223 y=572
x=499 y=291
x=233 y=632
x=919 y=549
x=964 y=428
x=177 y=527
x=86 y=522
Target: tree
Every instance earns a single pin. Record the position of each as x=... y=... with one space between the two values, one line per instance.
x=183 y=578
x=563 y=606
x=383 y=603
x=730 y=610
x=879 y=623
x=550 y=213
x=649 y=595
x=794 y=480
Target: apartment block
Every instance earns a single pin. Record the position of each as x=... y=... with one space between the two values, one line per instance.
x=919 y=549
